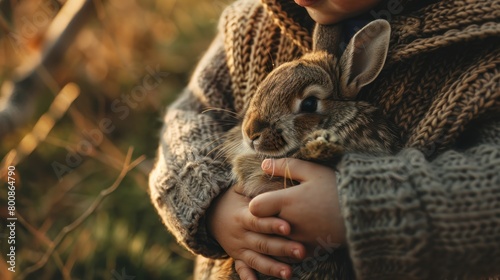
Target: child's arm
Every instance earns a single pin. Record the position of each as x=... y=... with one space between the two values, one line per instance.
x=406 y=217
x=434 y=219
x=187 y=176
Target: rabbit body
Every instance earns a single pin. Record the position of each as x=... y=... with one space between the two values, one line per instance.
x=273 y=129
x=305 y=109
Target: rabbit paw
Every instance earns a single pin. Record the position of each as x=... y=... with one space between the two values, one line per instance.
x=321 y=145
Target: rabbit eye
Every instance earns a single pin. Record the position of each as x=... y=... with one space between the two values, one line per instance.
x=309 y=105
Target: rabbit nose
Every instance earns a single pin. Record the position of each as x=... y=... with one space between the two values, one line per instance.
x=255 y=140
x=253 y=130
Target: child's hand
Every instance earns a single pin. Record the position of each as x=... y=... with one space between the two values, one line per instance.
x=312 y=207
x=251 y=240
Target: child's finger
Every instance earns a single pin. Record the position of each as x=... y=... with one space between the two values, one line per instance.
x=295 y=169
x=267 y=225
x=276 y=247
x=245 y=272
x=268 y=204
x=266 y=265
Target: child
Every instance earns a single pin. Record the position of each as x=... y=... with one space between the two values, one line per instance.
x=430 y=212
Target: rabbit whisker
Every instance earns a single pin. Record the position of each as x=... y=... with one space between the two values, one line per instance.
x=231 y=113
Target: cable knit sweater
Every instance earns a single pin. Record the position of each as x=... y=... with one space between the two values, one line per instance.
x=430 y=212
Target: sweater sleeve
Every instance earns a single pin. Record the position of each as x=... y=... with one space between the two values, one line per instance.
x=188 y=173
x=410 y=218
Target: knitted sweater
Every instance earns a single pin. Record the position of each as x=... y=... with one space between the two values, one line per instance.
x=432 y=210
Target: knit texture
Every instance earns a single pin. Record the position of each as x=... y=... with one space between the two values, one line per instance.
x=430 y=212
x=408 y=218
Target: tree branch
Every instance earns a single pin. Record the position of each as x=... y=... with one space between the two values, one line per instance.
x=16 y=104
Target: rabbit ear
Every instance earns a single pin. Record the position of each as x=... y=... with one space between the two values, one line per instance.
x=327 y=38
x=364 y=57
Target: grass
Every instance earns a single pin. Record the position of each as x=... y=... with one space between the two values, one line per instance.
x=66 y=172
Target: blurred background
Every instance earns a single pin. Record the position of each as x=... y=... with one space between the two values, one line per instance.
x=83 y=155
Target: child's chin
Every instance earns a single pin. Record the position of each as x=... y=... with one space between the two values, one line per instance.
x=324 y=18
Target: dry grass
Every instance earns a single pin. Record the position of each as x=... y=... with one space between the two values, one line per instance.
x=83 y=158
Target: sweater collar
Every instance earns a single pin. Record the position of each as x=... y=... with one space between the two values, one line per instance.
x=289 y=11
x=297 y=24
x=413 y=22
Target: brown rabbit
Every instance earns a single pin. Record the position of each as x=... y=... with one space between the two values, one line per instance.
x=306 y=109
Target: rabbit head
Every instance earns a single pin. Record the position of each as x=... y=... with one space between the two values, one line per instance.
x=300 y=96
